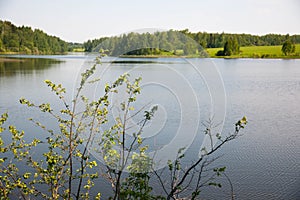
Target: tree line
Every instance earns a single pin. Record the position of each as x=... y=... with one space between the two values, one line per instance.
x=176 y=42
x=183 y=42
x=217 y=40
x=25 y=40
x=145 y=44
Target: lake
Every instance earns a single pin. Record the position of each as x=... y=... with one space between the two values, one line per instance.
x=264 y=163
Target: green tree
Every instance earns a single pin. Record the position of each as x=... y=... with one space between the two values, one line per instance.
x=1 y=45
x=227 y=48
x=189 y=48
x=231 y=47
x=288 y=47
x=235 y=46
x=88 y=46
x=24 y=39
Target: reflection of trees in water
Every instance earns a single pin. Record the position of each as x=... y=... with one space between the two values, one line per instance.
x=13 y=66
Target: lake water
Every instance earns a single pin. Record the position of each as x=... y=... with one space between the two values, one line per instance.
x=264 y=163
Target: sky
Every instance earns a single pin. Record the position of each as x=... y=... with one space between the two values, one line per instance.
x=78 y=20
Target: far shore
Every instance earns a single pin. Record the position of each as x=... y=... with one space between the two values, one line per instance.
x=254 y=56
x=255 y=52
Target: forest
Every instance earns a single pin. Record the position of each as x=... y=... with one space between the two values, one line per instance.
x=25 y=40
x=176 y=42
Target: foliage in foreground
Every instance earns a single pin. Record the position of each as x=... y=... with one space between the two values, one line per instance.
x=67 y=170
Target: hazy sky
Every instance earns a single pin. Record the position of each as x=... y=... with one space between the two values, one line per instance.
x=78 y=20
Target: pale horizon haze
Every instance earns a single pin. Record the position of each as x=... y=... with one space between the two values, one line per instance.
x=78 y=21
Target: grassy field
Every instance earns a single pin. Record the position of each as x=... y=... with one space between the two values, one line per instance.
x=78 y=50
x=258 y=52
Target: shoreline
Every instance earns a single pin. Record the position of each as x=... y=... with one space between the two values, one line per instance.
x=217 y=57
x=3 y=57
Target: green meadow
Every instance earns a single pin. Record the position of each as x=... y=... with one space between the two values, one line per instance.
x=257 y=52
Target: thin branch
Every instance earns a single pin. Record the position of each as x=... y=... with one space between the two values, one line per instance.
x=160 y=181
x=231 y=186
x=227 y=139
x=85 y=151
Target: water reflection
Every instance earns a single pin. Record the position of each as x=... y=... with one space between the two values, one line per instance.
x=11 y=66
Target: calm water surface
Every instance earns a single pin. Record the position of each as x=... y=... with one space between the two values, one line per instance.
x=263 y=164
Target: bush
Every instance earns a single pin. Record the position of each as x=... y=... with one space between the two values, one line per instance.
x=220 y=53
